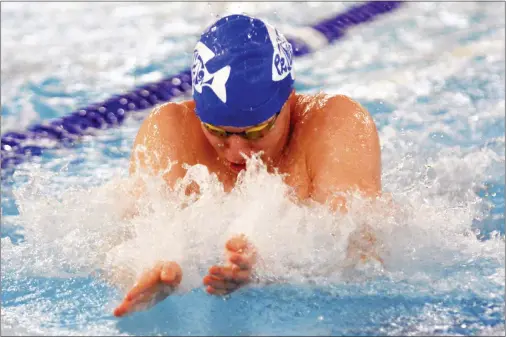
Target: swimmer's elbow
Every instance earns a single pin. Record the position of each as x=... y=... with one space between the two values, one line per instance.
x=337 y=197
x=336 y=202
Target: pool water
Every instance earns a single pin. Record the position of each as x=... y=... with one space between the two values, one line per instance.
x=431 y=74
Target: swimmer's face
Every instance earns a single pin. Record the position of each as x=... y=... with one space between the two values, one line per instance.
x=271 y=143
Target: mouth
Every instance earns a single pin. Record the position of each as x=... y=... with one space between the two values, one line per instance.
x=237 y=167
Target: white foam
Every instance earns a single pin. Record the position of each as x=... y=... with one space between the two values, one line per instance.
x=76 y=228
x=71 y=206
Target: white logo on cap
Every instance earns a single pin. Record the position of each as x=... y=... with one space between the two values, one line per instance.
x=201 y=77
x=282 y=57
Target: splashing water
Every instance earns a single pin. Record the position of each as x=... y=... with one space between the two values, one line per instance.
x=427 y=245
x=439 y=115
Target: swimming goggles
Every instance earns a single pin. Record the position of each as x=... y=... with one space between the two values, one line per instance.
x=253 y=133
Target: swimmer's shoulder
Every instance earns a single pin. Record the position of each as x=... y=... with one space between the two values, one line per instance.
x=171 y=116
x=170 y=122
x=167 y=134
x=322 y=112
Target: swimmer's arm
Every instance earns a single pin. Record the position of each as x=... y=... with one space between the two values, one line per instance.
x=157 y=149
x=346 y=155
x=347 y=158
x=158 y=146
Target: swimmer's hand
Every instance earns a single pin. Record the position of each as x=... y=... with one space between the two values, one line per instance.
x=153 y=286
x=237 y=271
x=363 y=247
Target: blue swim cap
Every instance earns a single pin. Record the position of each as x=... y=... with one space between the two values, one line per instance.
x=242 y=72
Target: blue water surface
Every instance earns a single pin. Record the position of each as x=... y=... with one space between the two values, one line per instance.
x=369 y=307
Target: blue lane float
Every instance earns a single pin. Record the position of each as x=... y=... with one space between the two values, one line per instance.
x=16 y=147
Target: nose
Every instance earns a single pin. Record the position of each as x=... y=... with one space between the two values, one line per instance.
x=236 y=145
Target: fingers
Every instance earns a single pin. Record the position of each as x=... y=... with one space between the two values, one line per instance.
x=148 y=279
x=222 y=280
x=171 y=274
x=230 y=273
x=144 y=301
x=218 y=292
x=220 y=284
x=122 y=309
x=128 y=306
x=237 y=244
x=151 y=288
x=240 y=252
x=242 y=261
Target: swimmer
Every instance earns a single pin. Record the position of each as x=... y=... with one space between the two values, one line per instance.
x=244 y=103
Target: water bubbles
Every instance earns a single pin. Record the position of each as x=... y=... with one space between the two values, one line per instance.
x=72 y=218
